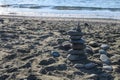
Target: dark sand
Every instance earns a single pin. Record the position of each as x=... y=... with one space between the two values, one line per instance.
x=26 y=41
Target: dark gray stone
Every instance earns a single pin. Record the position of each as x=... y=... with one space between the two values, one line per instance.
x=80 y=41
x=79 y=66
x=74 y=33
x=76 y=52
x=89 y=50
x=75 y=37
x=101 y=51
x=55 y=54
x=93 y=44
x=90 y=65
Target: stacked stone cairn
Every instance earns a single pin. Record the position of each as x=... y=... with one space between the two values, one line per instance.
x=77 y=52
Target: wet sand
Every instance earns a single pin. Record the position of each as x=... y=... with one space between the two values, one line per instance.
x=26 y=44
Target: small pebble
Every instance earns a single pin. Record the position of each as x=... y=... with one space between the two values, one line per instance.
x=107 y=67
x=93 y=44
x=105 y=59
x=89 y=50
x=101 y=51
x=79 y=65
x=55 y=54
x=104 y=46
x=90 y=65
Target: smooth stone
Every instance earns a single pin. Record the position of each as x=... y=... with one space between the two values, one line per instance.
x=104 y=46
x=76 y=57
x=66 y=45
x=105 y=59
x=90 y=65
x=79 y=65
x=101 y=51
x=93 y=44
x=89 y=50
x=55 y=54
x=78 y=46
x=107 y=67
x=76 y=52
x=47 y=61
x=81 y=41
x=92 y=77
x=74 y=33
x=75 y=37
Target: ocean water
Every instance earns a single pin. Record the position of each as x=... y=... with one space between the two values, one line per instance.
x=62 y=8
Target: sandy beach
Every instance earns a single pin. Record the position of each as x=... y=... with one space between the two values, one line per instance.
x=26 y=44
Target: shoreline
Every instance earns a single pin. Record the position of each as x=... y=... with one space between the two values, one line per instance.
x=102 y=20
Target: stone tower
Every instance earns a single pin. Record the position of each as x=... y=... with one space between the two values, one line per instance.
x=78 y=45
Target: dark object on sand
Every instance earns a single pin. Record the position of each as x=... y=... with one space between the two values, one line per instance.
x=78 y=45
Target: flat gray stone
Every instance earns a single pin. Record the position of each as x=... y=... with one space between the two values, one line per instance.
x=101 y=51
x=80 y=41
x=79 y=65
x=71 y=51
x=105 y=59
x=76 y=37
x=74 y=33
x=90 y=65
x=78 y=46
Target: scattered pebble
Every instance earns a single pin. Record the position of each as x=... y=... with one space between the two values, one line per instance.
x=47 y=61
x=107 y=67
x=93 y=44
x=76 y=52
x=105 y=46
x=105 y=59
x=101 y=51
x=55 y=54
x=89 y=50
x=79 y=66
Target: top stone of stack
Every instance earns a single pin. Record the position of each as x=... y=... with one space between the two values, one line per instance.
x=75 y=33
